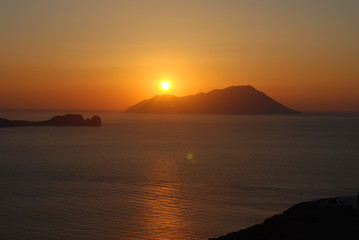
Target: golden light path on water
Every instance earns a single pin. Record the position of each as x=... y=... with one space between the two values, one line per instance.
x=164 y=214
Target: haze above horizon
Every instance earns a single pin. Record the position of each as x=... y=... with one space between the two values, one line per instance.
x=112 y=54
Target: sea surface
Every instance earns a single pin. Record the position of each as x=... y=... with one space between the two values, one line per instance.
x=143 y=176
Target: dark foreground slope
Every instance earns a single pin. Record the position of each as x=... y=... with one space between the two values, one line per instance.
x=231 y=100
x=66 y=120
x=325 y=219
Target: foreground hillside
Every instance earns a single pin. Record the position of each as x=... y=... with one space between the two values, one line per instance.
x=327 y=219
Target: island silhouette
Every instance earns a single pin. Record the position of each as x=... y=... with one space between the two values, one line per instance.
x=65 y=120
x=231 y=100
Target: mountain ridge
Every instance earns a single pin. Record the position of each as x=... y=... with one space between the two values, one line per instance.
x=230 y=100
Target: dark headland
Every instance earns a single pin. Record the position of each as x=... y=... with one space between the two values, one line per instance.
x=65 y=120
x=324 y=219
x=231 y=100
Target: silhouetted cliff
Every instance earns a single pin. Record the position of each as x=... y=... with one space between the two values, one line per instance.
x=66 y=120
x=231 y=100
x=327 y=219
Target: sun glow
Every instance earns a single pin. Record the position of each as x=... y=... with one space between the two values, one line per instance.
x=165 y=85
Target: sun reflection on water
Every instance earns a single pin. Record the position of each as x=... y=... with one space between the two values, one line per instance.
x=164 y=211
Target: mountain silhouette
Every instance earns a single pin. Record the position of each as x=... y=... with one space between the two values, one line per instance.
x=231 y=100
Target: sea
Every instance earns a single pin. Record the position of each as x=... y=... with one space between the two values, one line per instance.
x=175 y=177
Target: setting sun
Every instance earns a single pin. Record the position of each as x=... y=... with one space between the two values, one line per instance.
x=165 y=85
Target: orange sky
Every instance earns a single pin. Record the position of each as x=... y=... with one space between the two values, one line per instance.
x=110 y=54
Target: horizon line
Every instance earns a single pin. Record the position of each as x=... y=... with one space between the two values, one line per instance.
x=123 y=110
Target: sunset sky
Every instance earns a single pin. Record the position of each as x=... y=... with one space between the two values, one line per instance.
x=108 y=55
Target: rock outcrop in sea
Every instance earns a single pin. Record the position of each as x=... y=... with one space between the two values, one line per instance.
x=324 y=219
x=65 y=120
x=231 y=100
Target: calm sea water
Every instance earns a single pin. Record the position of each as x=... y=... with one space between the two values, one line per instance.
x=170 y=176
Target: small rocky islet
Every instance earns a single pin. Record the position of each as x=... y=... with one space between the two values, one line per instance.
x=64 y=120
